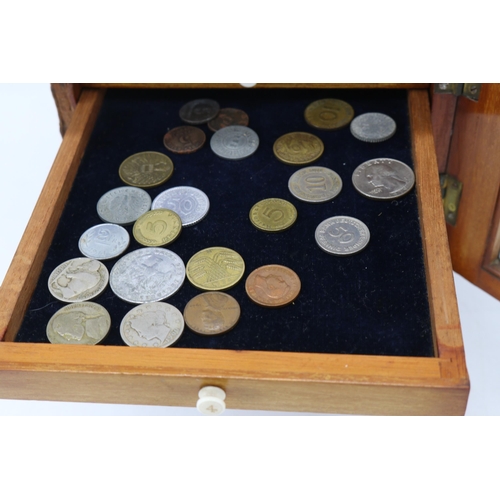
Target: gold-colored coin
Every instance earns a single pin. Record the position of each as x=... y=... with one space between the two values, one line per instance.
x=146 y=169
x=157 y=228
x=215 y=268
x=329 y=114
x=273 y=215
x=298 y=148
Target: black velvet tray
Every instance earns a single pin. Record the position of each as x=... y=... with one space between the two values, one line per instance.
x=373 y=303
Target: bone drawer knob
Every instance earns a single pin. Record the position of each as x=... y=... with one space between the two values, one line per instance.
x=248 y=85
x=211 y=400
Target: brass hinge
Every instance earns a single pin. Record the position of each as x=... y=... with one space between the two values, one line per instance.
x=451 y=191
x=469 y=90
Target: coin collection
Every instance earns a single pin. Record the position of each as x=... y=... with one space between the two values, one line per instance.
x=152 y=274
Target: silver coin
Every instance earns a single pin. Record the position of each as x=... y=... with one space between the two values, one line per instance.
x=147 y=275
x=152 y=325
x=104 y=241
x=78 y=279
x=84 y=323
x=373 y=127
x=123 y=205
x=342 y=235
x=234 y=142
x=189 y=203
x=199 y=111
x=383 y=178
x=315 y=184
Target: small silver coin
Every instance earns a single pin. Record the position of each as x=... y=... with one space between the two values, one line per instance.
x=199 y=111
x=78 y=279
x=373 y=127
x=315 y=184
x=189 y=203
x=104 y=241
x=147 y=275
x=383 y=179
x=123 y=205
x=152 y=325
x=234 y=142
x=342 y=235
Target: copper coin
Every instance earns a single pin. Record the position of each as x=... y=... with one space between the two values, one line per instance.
x=212 y=313
x=226 y=117
x=273 y=285
x=184 y=139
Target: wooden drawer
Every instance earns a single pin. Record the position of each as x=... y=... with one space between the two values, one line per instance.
x=252 y=379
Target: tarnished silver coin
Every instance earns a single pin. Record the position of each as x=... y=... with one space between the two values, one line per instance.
x=373 y=127
x=84 y=323
x=383 y=178
x=147 y=275
x=152 y=325
x=315 y=184
x=104 y=241
x=234 y=142
x=189 y=203
x=78 y=279
x=123 y=205
x=199 y=111
x=342 y=235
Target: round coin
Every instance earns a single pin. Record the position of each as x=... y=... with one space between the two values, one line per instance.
x=123 y=205
x=373 y=127
x=234 y=142
x=84 y=323
x=273 y=215
x=152 y=325
x=157 y=228
x=212 y=313
x=227 y=117
x=215 y=268
x=104 y=241
x=315 y=184
x=184 y=140
x=273 y=285
x=342 y=235
x=189 y=203
x=147 y=275
x=328 y=114
x=199 y=111
x=383 y=179
x=298 y=148
x=146 y=169
x=77 y=280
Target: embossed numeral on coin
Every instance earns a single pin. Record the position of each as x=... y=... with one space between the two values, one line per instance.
x=271 y=213
x=343 y=235
x=316 y=182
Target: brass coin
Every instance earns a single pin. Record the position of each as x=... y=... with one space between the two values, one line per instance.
x=273 y=215
x=227 y=117
x=273 y=285
x=157 y=228
x=146 y=169
x=298 y=148
x=184 y=139
x=329 y=114
x=215 y=268
x=212 y=313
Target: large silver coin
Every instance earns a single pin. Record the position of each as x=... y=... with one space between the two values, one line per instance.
x=199 y=111
x=84 y=323
x=315 y=184
x=342 y=235
x=104 y=241
x=147 y=275
x=78 y=279
x=189 y=203
x=123 y=205
x=383 y=178
x=373 y=127
x=234 y=142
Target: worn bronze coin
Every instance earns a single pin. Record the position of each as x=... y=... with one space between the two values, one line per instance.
x=298 y=148
x=227 y=117
x=146 y=169
x=273 y=285
x=184 y=140
x=157 y=228
x=212 y=313
x=329 y=114
x=273 y=215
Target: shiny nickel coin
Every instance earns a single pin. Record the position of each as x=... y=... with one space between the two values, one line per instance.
x=234 y=142
x=104 y=241
x=199 y=111
x=342 y=235
x=373 y=127
x=315 y=184
x=227 y=117
x=123 y=205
